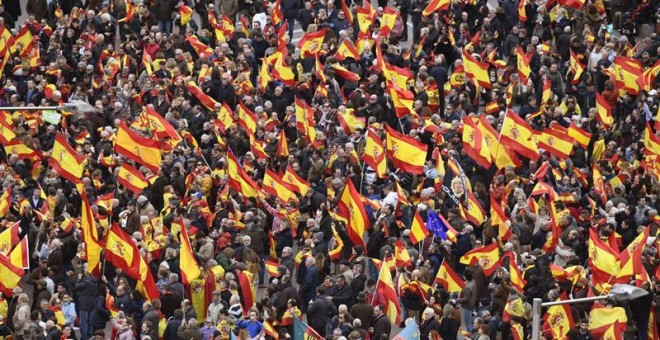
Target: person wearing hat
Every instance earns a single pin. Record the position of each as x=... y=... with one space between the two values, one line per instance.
x=345 y=270
x=208 y=329
x=320 y=245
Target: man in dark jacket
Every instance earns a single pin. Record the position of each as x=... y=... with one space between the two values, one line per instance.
x=382 y=325
x=287 y=292
x=363 y=311
x=290 y=9
x=309 y=283
x=343 y=294
x=173 y=325
x=85 y=291
x=320 y=311
x=151 y=314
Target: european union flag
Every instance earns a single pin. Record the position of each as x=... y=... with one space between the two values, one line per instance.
x=435 y=225
x=410 y=332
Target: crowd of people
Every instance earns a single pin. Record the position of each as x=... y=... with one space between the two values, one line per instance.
x=277 y=207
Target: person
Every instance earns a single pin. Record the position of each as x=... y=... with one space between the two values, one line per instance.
x=151 y=318
x=382 y=326
x=429 y=323
x=468 y=299
x=252 y=324
x=86 y=290
x=320 y=310
x=21 y=318
x=310 y=281
x=189 y=329
x=362 y=310
x=448 y=323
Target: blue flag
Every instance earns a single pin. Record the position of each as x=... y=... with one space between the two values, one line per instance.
x=411 y=332
x=435 y=225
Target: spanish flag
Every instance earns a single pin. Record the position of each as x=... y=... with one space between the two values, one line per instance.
x=603 y=111
x=271 y=268
x=11 y=276
x=319 y=71
x=283 y=72
x=146 y=284
x=277 y=14
x=202 y=50
x=365 y=17
x=501 y=154
x=311 y=43
x=282 y=145
x=239 y=179
x=264 y=76
x=387 y=21
x=65 y=160
x=626 y=73
x=345 y=74
x=20 y=256
x=224 y=117
x=517 y=280
x=524 y=70
x=576 y=68
x=601 y=257
x=351 y=208
x=137 y=148
x=203 y=98
x=607 y=322
x=396 y=75
x=295 y=182
x=401 y=256
x=185 y=12
x=407 y=153
x=488 y=257
x=305 y=120
x=557 y=143
x=385 y=288
x=122 y=252
x=93 y=247
x=522 y=12
x=580 y=136
x=418 y=231
x=651 y=141
x=402 y=99
x=247 y=119
x=436 y=5
x=131 y=11
x=16 y=147
x=345 y=50
x=335 y=253
x=274 y=185
x=518 y=135
x=645 y=82
x=248 y=293
x=474 y=144
x=471 y=210
x=631 y=260
x=131 y=178
x=5 y=204
x=558 y=320
x=9 y=239
x=374 y=154
x=190 y=270
x=476 y=70
x=448 y=278
x=499 y=219
x=6 y=130
x=160 y=127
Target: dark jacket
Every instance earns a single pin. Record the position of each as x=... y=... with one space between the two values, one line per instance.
x=364 y=312
x=86 y=292
x=343 y=295
x=173 y=325
x=427 y=326
x=309 y=284
x=382 y=325
x=100 y=314
x=154 y=318
x=319 y=312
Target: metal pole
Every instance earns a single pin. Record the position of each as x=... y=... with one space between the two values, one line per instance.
x=537 y=305
x=31 y=108
x=536 y=319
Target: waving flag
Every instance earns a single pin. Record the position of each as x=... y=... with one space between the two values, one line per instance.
x=474 y=144
x=517 y=134
x=476 y=70
x=90 y=235
x=487 y=257
x=374 y=154
x=131 y=178
x=65 y=160
x=190 y=270
x=385 y=288
x=274 y=185
x=11 y=275
x=121 y=252
x=418 y=231
x=522 y=60
x=297 y=183
x=604 y=111
x=185 y=12
x=608 y=322
x=436 y=5
x=439 y=226
x=311 y=43
x=407 y=153
x=137 y=148
x=131 y=11
x=448 y=278
x=20 y=256
x=351 y=208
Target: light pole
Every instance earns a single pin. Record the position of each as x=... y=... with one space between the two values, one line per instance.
x=74 y=105
x=619 y=292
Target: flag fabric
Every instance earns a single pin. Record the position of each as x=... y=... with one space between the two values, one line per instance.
x=131 y=178
x=499 y=219
x=607 y=320
x=278 y=14
x=449 y=279
x=335 y=253
x=576 y=68
x=122 y=252
x=438 y=225
x=626 y=72
x=302 y=331
x=374 y=154
x=487 y=257
x=436 y=5
x=203 y=98
x=9 y=239
x=65 y=160
x=271 y=268
x=517 y=133
x=11 y=275
x=501 y=154
x=476 y=70
x=523 y=61
x=365 y=17
x=248 y=293
x=407 y=153
x=6 y=130
x=411 y=331
x=401 y=256
x=190 y=270
x=131 y=11
x=602 y=258
x=516 y=278
x=239 y=178
x=579 y=135
x=274 y=185
x=160 y=127
x=202 y=50
x=90 y=235
x=346 y=50
x=418 y=231
x=402 y=99
x=385 y=289
x=295 y=182
x=247 y=119
x=387 y=20
x=137 y=148
x=645 y=82
x=349 y=122
x=5 y=204
x=351 y=208
x=557 y=143
x=651 y=141
x=311 y=43
x=185 y=13
x=20 y=255
x=474 y=144
x=16 y=147
x=344 y=73
x=522 y=12
x=472 y=210
x=603 y=111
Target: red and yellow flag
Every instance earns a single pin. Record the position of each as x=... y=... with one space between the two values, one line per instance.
x=335 y=253
x=576 y=68
x=311 y=43
x=387 y=21
x=418 y=231
x=239 y=178
x=351 y=208
x=137 y=148
x=645 y=82
x=501 y=154
x=401 y=256
x=90 y=235
x=185 y=13
x=295 y=182
x=487 y=257
x=607 y=322
x=20 y=256
x=580 y=136
x=476 y=70
x=558 y=320
x=522 y=60
x=471 y=210
x=190 y=270
x=559 y=144
x=11 y=276
x=274 y=185
x=603 y=111
x=131 y=11
x=160 y=127
x=626 y=72
x=499 y=219
x=407 y=153
x=65 y=160
x=203 y=98
x=122 y=252
x=436 y=5
x=346 y=50
x=448 y=278
x=385 y=288
x=203 y=51
x=517 y=133
x=474 y=144
x=131 y=178
x=9 y=238
x=374 y=154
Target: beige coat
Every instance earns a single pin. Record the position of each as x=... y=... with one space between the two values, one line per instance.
x=22 y=319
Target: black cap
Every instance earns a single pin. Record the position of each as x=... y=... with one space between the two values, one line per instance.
x=132 y=202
